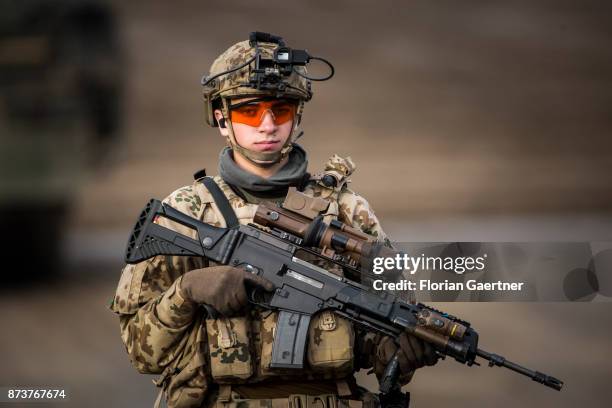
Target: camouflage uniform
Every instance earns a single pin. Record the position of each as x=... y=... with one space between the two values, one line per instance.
x=207 y=362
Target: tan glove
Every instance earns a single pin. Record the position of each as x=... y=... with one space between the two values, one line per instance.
x=220 y=287
x=413 y=353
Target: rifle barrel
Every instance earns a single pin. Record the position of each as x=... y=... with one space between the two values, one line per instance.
x=500 y=361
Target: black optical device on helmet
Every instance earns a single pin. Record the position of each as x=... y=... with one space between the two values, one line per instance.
x=285 y=58
x=270 y=73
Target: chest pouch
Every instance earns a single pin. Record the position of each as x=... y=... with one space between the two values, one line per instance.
x=330 y=345
x=230 y=355
x=267 y=331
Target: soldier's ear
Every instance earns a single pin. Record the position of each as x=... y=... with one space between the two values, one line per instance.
x=221 y=121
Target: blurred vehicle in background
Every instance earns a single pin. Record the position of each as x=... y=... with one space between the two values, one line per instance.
x=61 y=87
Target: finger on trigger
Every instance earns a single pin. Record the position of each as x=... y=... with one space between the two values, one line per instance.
x=259 y=281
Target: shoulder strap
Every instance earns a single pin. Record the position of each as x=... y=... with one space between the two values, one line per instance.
x=222 y=202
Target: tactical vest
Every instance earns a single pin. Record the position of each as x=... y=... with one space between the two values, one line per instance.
x=240 y=348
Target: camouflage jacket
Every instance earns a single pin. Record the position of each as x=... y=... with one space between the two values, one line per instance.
x=165 y=334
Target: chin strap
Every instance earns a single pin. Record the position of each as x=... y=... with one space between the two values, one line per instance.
x=262 y=159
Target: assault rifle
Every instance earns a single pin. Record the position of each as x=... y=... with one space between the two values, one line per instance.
x=283 y=254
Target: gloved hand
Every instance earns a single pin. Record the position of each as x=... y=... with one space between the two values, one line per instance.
x=221 y=287
x=413 y=353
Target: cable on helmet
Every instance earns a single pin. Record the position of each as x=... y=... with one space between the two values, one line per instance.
x=325 y=78
x=207 y=80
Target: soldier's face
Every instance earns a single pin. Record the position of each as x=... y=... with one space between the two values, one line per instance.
x=269 y=135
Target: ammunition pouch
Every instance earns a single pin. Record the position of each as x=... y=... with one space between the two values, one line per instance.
x=330 y=341
x=229 y=349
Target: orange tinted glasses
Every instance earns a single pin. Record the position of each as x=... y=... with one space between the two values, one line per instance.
x=252 y=112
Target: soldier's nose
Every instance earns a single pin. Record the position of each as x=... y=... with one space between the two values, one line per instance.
x=267 y=124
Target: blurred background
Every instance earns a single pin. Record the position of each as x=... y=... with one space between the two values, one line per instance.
x=472 y=120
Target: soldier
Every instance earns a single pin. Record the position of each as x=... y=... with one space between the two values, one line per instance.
x=219 y=355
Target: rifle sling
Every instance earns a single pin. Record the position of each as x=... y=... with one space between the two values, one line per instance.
x=222 y=202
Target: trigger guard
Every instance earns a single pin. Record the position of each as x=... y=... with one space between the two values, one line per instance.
x=252 y=298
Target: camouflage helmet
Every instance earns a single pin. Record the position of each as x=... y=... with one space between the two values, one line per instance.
x=230 y=77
